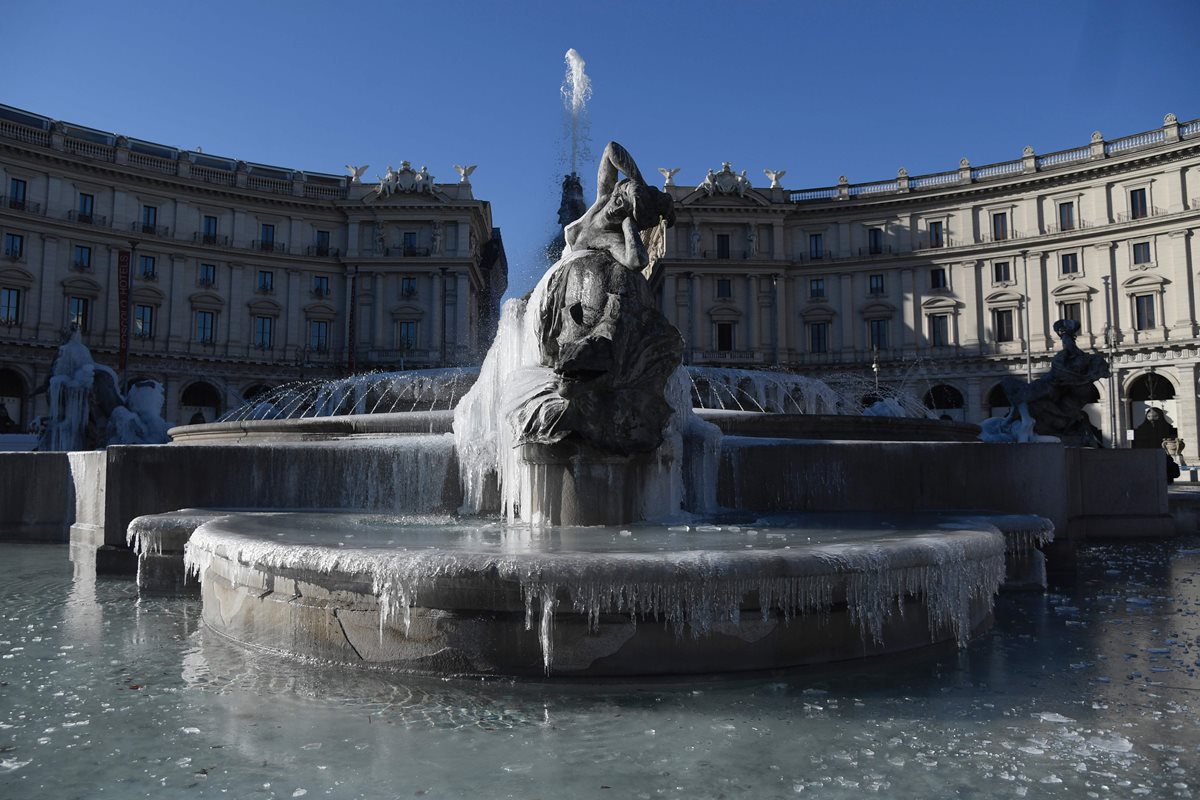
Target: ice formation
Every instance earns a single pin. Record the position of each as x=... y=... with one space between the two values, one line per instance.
x=87 y=409
x=487 y=443
x=689 y=590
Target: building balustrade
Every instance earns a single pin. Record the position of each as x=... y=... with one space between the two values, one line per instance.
x=161 y=231
x=268 y=246
x=210 y=239
x=20 y=204
x=81 y=266
x=1131 y=216
x=323 y=251
x=80 y=218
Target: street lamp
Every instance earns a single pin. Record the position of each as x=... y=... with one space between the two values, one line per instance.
x=1111 y=344
x=1028 y=330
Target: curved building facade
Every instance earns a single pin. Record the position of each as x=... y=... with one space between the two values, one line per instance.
x=949 y=282
x=232 y=277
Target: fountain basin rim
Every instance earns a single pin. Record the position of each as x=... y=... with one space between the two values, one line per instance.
x=315 y=428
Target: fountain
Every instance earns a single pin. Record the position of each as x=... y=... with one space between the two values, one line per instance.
x=594 y=524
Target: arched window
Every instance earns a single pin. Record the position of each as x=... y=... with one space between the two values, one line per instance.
x=12 y=396
x=946 y=402
x=200 y=403
x=996 y=402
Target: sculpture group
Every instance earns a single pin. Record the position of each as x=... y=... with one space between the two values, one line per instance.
x=610 y=349
x=405 y=179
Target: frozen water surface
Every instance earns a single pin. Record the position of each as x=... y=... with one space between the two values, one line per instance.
x=106 y=695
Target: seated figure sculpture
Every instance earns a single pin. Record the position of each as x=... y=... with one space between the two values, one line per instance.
x=1053 y=404
x=611 y=350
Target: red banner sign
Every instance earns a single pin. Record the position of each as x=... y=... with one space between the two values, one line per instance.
x=123 y=258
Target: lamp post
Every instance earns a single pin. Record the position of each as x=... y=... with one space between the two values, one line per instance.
x=125 y=285
x=1028 y=331
x=1110 y=343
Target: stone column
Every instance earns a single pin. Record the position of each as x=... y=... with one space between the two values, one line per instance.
x=781 y=319
x=752 y=315
x=462 y=326
x=1183 y=309
x=696 y=342
x=779 y=248
x=974 y=409
x=1188 y=410
x=846 y=309
x=352 y=238
x=50 y=320
x=669 y=309
x=1040 y=336
x=1103 y=255
x=972 y=300
x=910 y=319
x=380 y=340
x=438 y=303
x=295 y=335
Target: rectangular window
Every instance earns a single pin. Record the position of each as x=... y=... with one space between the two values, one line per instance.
x=936 y=234
x=1144 y=311
x=408 y=286
x=322 y=243
x=266 y=236
x=877 y=334
x=150 y=219
x=206 y=275
x=148 y=267
x=937 y=278
x=1002 y=324
x=206 y=325
x=1001 y=272
x=77 y=313
x=722 y=245
x=1066 y=216
x=318 y=335
x=1070 y=263
x=320 y=285
x=262 y=332
x=208 y=229
x=724 y=337
x=410 y=243
x=406 y=335
x=939 y=330
x=266 y=281
x=724 y=287
x=999 y=226
x=818 y=337
x=14 y=246
x=143 y=321
x=1070 y=311
x=1138 y=209
x=875 y=240
x=82 y=258
x=10 y=306
x=1141 y=252
x=816 y=246
x=16 y=194
x=86 y=208
x=875 y=282
x=816 y=288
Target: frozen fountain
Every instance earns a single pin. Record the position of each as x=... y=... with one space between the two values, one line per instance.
x=581 y=519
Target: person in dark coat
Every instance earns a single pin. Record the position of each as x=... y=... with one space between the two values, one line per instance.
x=1150 y=435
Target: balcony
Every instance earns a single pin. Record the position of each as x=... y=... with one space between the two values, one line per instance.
x=148 y=275
x=322 y=251
x=415 y=252
x=81 y=266
x=80 y=218
x=206 y=283
x=20 y=204
x=210 y=239
x=150 y=230
x=14 y=255
x=264 y=288
x=321 y=293
x=268 y=246
x=1145 y=213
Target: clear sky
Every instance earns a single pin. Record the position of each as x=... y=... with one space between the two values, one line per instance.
x=818 y=89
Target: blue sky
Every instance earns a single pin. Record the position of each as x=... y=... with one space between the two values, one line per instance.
x=818 y=89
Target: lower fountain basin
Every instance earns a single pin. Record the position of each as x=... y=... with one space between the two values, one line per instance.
x=435 y=595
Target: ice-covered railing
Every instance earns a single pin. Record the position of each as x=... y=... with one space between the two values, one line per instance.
x=371 y=393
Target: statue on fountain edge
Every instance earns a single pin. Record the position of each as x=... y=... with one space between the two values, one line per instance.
x=610 y=349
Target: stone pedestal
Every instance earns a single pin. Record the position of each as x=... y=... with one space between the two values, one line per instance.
x=573 y=484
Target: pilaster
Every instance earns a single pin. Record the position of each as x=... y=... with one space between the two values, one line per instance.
x=1183 y=309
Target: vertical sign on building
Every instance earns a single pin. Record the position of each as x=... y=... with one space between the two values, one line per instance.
x=123 y=259
x=352 y=333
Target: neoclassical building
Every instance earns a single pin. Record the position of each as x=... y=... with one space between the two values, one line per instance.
x=232 y=277
x=949 y=282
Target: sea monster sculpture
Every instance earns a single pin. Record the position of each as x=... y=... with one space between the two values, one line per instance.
x=611 y=350
x=1053 y=404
